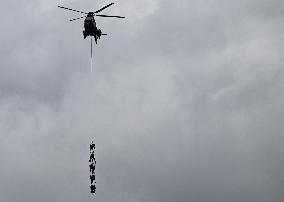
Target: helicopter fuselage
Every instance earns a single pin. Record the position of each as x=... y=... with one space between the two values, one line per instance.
x=91 y=28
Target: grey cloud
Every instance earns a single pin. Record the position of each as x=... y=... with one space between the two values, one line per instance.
x=185 y=104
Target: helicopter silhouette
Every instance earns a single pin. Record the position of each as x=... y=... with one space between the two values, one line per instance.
x=90 y=22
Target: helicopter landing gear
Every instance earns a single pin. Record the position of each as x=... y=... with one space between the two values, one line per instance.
x=99 y=33
x=84 y=33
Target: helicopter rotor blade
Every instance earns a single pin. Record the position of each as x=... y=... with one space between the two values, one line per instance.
x=111 y=16
x=104 y=8
x=77 y=18
x=72 y=10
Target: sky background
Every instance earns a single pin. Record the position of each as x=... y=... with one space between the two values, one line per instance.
x=185 y=102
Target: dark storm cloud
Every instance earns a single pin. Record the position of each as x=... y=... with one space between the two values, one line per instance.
x=185 y=102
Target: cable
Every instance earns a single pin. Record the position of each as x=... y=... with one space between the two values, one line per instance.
x=91 y=54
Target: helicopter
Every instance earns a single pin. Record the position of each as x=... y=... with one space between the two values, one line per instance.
x=90 y=22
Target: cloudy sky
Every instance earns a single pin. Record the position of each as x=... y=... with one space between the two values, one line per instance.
x=185 y=102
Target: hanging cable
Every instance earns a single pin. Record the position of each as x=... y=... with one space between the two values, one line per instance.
x=91 y=54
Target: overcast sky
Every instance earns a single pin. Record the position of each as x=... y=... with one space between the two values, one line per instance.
x=185 y=102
